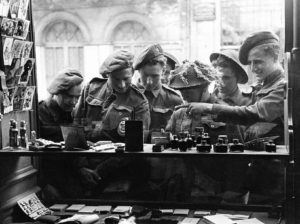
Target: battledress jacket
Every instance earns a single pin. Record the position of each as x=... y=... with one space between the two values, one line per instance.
x=51 y=116
x=103 y=110
x=266 y=112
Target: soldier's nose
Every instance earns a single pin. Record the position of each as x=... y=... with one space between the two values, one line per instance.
x=149 y=81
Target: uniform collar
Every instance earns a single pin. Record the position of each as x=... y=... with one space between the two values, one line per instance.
x=234 y=97
x=155 y=91
x=273 y=77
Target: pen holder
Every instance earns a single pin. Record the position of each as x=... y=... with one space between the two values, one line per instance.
x=134 y=136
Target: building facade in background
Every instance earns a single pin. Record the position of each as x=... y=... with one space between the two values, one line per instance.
x=81 y=33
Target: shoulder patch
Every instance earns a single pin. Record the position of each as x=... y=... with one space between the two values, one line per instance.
x=171 y=90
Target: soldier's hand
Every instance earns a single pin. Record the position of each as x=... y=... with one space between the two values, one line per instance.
x=195 y=109
x=89 y=177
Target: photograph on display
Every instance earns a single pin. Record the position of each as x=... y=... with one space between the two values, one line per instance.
x=11 y=71
x=23 y=7
x=17 y=48
x=26 y=49
x=7 y=26
x=18 y=98
x=24 y=72
x=7 y=50
x=7 y=101
x=4 y=8
x=14 y=8
x=28 y=99
x=21 y=30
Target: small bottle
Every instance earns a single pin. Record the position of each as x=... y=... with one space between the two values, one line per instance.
x=174 y=142
x=220 y=146
x=190 y=142
x=270 y=146
x=206 y=137
x=182 y=144
x=224 y=137
x=236 y=146
x=23 y=135
x=203 y=147
x=199 y=132
x=13 y=134
x=194 y=140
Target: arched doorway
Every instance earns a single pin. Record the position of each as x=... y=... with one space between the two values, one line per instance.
x=131 y=35
x=63 y=42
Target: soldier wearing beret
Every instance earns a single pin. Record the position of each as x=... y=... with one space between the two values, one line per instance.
x=65 y=90
x=105 y=104
x=103 y=108
x=162 y=100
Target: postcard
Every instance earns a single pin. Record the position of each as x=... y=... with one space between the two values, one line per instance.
x=26 y=49
x=7 y=50
x=11 y=72
x=21 y=29
x=18 y=98
x=28 y=98
x=24 y=73
x=14 y=8
x=23 y=7
x=8 y=26
x=17 y=48
x=4 y=8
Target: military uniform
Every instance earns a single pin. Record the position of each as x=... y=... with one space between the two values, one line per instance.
x=105 y=119
x=103 y=111
x=162 y=102
x=51 y=116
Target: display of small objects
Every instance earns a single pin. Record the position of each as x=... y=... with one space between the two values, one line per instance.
x=236 y=146
x=221 y=146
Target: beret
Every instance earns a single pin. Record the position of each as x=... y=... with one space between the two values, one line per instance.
x=253 y=40
x=232 y=55
x=171 y=60
x=118 y=60
x=65 y=80
x=148 y=54
x=191 y=74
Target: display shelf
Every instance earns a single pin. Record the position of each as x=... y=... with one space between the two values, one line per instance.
x=281 y=153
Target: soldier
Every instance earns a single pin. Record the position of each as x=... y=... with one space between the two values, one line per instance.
x=230 y=72
x=65 y=91
x=260 y=51
x=192 y=79
x=151 y=65
x=57 y=110
x=106 y=103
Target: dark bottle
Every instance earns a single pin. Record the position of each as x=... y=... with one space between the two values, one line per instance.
x=199 y=132
x=189 y=142
x=194 y=140
x=224 y=137
x=236 y=146
x=203 y=147
x=23 y=135
x=174 y=142
x=13 y=134
x=206 y=137
x=220 y=146
x=182 y=144
x=270 y=146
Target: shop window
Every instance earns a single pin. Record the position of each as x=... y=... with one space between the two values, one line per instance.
x=63 y=48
